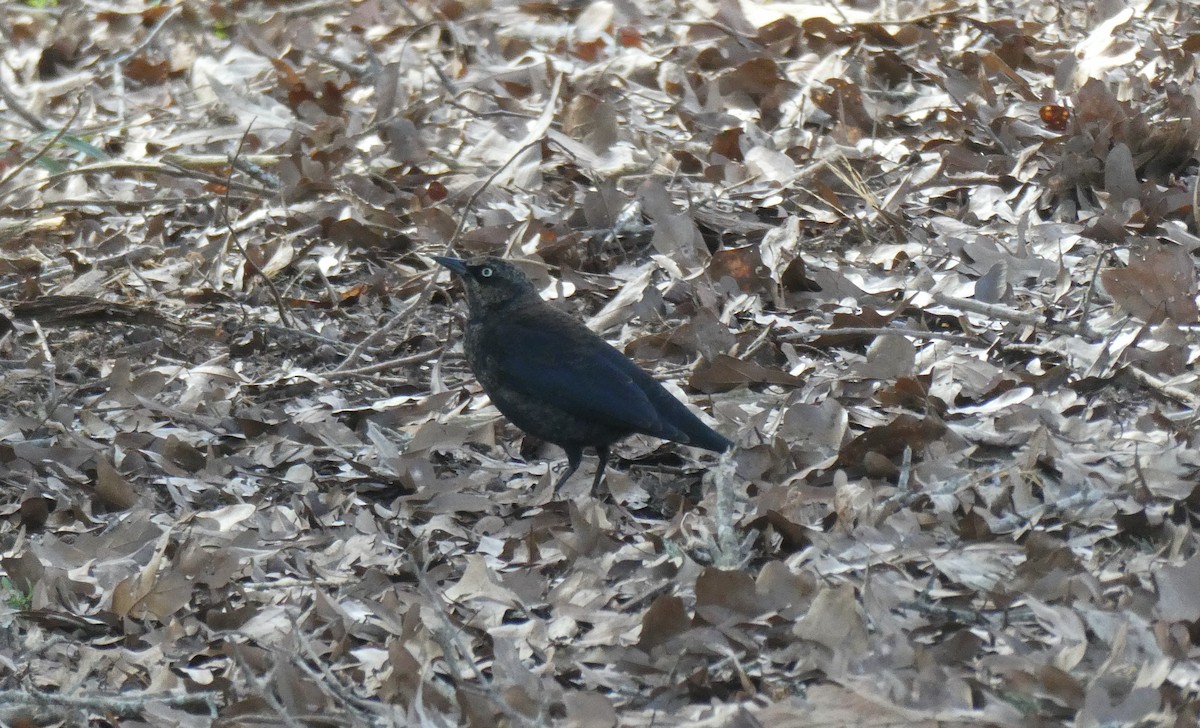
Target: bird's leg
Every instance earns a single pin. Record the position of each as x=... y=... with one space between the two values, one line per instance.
x=574 y=457
x=602 y=453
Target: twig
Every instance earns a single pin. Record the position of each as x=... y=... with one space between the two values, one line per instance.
x=15 y=105
x=322 y=676
x=993 y=310
x=261 y=688
x=150 y=34
x=382 y=331
x=905 y=469
x=1195 y=202
x=277 y=330
x=449 y=638
x=45 y=148
x=130 y=704
x=313 y=6
x=312 y=582
x=422 y=296
x=118 y=165
x=219 y=161
x=1036 y=349
x=114 y=64
x=462 y=221
x=1167 y=390
x=284 y=318
x=122 y=205
x=385 y=365
x=145 y=252
x=48 y=368
x=1145 y=378
x=1004 y=313
x=18 y=228
x=421 y=25
x=760 y=340
x=878 y=331
x=730 y=553
x=1086 y=305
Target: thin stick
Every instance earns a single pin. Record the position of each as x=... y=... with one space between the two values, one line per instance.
x=385 y=365
x=424 y=293
x=45 y=148
x=284 y=318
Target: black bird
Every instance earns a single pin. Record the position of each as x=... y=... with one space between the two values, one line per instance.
x=555 y=378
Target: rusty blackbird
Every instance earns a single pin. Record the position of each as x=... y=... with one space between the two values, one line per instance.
x=556 y=379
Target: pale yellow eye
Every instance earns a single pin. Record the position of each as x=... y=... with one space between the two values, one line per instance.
x=486 y=273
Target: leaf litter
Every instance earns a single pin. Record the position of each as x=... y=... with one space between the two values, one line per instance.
x=935 y=272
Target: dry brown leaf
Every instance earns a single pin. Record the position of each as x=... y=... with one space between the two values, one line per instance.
x=1158 y=284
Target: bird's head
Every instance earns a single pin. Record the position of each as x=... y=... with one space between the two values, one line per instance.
x=491 y=283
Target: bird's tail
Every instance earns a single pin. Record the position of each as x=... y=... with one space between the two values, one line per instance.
x=678 y=417
x=701 y=435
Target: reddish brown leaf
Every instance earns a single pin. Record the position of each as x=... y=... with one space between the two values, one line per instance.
x=145 y=71
x=629 y=37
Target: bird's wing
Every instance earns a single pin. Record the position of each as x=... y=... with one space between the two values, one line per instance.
x=581 y=374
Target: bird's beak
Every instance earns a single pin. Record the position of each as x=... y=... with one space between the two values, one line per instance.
x=457 y=266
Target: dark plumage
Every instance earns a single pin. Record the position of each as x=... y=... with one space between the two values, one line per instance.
x=556 y=379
